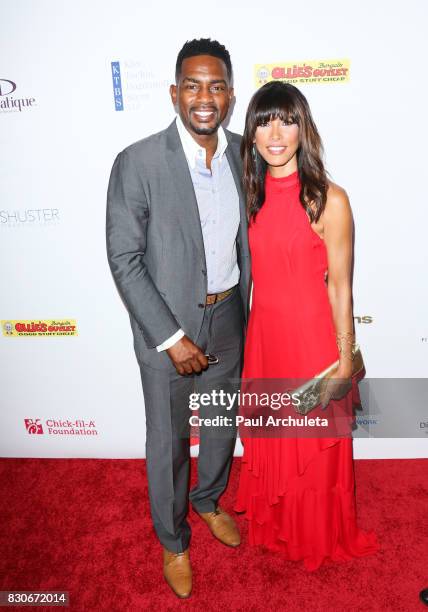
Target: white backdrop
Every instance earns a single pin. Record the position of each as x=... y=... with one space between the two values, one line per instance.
x=55 y=158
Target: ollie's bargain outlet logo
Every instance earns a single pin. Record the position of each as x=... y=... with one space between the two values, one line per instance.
x=310 y=71
x=46 y=327
x=61 y=427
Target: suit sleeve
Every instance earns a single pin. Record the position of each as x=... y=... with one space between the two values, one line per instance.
x=126 y=233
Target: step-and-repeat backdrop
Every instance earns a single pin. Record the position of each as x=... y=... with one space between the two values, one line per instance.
x=79 y=81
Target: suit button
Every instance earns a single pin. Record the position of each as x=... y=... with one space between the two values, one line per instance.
x=204 y=272
x=201 y=305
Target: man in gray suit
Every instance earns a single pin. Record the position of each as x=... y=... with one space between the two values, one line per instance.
x=178 y=251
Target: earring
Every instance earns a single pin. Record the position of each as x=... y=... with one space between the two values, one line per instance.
x=254 y=153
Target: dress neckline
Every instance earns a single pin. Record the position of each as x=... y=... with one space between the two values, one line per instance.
x=283 y=181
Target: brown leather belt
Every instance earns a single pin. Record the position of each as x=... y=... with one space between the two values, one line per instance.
x=213 y=298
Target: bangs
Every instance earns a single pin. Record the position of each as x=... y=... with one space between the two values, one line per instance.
x=276 y=105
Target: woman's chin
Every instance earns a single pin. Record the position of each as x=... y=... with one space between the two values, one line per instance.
x=276 y=162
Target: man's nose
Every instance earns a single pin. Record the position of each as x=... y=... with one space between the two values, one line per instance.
x=205 y=94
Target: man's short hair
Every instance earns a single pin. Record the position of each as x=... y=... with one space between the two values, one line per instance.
x=203 y=46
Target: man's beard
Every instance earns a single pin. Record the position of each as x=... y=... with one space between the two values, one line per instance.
x=204 y=131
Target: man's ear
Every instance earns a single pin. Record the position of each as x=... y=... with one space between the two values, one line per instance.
x=173 y=93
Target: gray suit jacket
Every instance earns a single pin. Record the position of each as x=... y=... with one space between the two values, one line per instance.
x=154 y=241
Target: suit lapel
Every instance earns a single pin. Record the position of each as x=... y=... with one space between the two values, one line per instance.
x=237 y=176
x=182 y=179
x=183 y=183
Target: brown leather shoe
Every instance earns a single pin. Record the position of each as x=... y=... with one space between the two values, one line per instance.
x=178 y=572
x=222 y=526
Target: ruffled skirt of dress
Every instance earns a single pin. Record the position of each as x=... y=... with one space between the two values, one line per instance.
x=299 y=498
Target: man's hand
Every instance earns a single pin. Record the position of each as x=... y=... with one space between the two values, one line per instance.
x=187 y=357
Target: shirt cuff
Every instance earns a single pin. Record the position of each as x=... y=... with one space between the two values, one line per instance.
x=170 y=341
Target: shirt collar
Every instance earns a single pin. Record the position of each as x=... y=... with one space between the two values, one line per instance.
x=193 y=151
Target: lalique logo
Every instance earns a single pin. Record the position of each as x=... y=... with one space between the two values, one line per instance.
x=6 y=87
x=10 y=104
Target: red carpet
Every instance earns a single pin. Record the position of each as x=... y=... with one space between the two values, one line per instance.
x=84 y=526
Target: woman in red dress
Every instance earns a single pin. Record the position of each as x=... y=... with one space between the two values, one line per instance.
x=298 y=493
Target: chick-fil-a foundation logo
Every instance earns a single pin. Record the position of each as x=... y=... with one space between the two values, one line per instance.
x=33 y=426
x=62 y=427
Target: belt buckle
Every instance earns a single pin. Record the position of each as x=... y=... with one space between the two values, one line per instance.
x=218 y=297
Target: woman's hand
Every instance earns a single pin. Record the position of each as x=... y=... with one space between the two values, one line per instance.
x=336 y=386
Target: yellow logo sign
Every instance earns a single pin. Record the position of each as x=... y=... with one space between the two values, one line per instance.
x=310 y=71
x=46 y=327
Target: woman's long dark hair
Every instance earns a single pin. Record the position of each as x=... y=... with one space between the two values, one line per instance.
x=284 y=101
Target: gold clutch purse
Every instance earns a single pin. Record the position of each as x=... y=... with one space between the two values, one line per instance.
x=309 y=394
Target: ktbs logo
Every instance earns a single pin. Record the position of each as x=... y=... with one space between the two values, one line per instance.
x=33 y=426
x=135 y=84
x=117 y=86
x=10 y=104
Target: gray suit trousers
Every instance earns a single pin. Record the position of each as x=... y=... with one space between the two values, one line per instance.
x=166 y=396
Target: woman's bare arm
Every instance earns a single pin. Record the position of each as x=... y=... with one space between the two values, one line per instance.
x=338 y=234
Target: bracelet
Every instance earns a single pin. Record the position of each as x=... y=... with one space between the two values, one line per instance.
x=346 y=338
